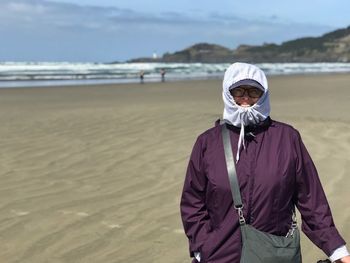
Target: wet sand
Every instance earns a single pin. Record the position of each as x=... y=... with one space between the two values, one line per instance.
x=95 y=173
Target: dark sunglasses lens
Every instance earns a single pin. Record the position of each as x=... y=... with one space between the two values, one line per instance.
x=237 y=92
x=253 y=93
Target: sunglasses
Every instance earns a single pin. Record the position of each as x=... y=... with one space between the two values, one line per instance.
x=252 y=92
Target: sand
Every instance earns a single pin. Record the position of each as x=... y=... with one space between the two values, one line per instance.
x=95 y=173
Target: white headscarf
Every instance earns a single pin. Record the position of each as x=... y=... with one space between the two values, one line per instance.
x=243 y=116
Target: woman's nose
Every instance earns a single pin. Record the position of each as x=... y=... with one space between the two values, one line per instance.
x=245 y=94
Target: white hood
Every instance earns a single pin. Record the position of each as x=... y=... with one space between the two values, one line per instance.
x=243 y=116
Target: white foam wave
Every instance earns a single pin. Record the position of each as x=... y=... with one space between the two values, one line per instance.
x=15 y=73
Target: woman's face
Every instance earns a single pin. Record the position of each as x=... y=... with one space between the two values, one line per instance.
x=246 y=96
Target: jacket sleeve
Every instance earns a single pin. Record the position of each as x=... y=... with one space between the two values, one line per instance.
x=192 y=206
x=311 y=201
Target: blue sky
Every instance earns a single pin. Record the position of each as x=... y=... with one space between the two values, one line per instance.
x=117 y=30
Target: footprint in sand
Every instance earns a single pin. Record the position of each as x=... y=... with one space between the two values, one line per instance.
x=20 y=213
x=178 y=231
x=82 y=214
x=110 y=225
x=66 y=212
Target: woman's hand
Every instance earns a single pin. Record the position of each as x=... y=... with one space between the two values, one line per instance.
x=344 y=260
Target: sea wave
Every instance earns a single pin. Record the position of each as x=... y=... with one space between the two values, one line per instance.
x=14 y=74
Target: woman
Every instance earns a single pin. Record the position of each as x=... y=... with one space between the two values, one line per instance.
x=274 y=170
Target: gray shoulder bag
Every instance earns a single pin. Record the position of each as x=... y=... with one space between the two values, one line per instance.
x=258 y=246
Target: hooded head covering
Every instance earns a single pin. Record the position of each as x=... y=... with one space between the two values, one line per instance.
x=244 y=74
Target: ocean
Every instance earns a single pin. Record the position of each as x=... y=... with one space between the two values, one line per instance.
x=33 y=74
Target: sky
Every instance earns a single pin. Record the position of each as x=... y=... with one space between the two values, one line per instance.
x=118 y=30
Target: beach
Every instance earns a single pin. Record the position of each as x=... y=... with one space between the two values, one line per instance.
x=95 y=173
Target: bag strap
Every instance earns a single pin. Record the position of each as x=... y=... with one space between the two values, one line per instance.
x=231 y=169
x=235 y=190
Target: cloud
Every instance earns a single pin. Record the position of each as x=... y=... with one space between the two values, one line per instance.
x=39 y=28
x=25 y=7
x=50 y=13
x=41 y=12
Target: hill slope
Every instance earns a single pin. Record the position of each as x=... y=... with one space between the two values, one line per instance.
x=331 y=47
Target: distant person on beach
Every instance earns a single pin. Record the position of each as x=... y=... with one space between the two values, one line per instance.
x=142 y=75
x=275 y=174
x=162 y=73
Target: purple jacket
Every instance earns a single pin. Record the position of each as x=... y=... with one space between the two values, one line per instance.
x=275 y=172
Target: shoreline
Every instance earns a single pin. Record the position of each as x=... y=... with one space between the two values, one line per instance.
x=15 y=84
